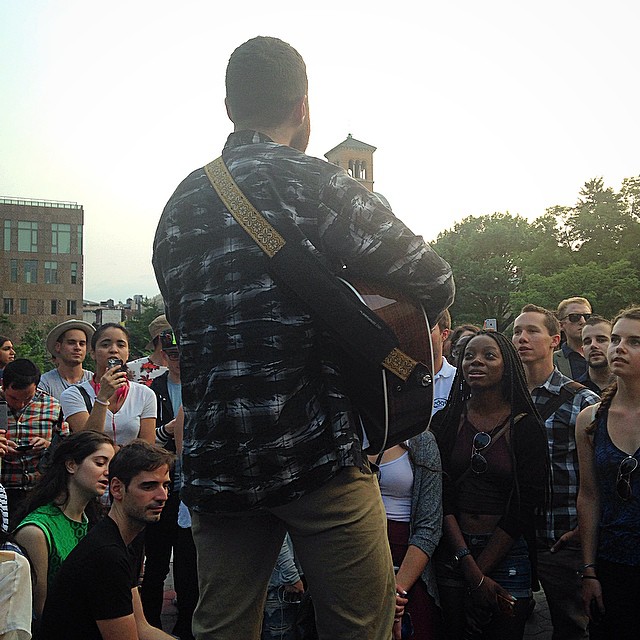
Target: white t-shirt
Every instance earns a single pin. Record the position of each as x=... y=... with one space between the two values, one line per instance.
x=442 y=383
x=125 y=423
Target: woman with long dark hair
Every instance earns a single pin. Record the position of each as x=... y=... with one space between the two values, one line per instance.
x=63 y=504
x=495 y=458
x=7 y=353
x=608 y=439
x=109 y=402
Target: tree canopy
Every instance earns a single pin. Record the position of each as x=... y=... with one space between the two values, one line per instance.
x=501 y=261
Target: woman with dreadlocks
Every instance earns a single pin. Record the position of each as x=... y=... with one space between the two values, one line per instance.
x=608 y=440
x=495 y=459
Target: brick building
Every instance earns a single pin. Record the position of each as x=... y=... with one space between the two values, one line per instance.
x=41 y=262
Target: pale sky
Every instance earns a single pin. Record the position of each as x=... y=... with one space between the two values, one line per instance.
x=474 y=107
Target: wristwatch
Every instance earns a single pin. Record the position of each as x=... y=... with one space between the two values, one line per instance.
x=461 y=553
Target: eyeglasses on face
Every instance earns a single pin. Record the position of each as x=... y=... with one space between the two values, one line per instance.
x=575 y=317
x=481 y=441
x=172 y=354
x=623 y=482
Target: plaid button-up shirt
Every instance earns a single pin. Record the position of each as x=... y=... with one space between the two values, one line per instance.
x=38 y=419
x=561 y=427
x=266 y=417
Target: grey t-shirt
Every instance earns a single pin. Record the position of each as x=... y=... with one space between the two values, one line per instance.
x=54 y=384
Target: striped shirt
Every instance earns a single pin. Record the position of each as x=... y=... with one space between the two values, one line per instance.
x=561 y=427
x=266 y=416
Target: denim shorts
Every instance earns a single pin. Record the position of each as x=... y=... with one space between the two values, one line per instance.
x=513 y=573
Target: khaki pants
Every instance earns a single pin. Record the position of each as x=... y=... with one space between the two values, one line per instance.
x=339 y=537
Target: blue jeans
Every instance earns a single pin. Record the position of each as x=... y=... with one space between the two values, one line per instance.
x=464 y=620
x=280 y=610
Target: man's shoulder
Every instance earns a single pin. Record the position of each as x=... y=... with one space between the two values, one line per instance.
x=42 y=401
x=47 y=375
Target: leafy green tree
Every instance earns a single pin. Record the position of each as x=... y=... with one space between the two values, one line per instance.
x=486 y=255
x=138 y=328
x=33 y=346
x=609 y=287
x=5 y=324
x=599 y=222
x=552 y=251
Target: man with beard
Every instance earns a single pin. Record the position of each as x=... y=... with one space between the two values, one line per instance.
x=596 y=336
x=271 y=439
x=95 y=594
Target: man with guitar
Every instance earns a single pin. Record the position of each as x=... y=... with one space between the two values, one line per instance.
x=272 y=440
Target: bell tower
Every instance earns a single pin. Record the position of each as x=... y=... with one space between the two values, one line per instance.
x=356 y=158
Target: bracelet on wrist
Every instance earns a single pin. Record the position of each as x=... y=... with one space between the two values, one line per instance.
x=589 y=578
x=589 y=565
x=102 y=402
x=472 y=589
x=461 y=553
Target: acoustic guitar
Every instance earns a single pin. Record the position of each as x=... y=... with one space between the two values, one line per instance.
x=392 y=409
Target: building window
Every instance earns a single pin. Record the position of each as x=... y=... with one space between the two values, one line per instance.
x=31 y=271
x=54 y=307
x=8 y=306
x=24 y=306
x=7 y=235
x=14 y=271
x=27 y=236
x=74 y=273
x=51 y=273
x=71 y=307
x=60 y=238
x=80 y=238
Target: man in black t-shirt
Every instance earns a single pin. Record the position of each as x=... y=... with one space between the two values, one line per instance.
x=95 y=594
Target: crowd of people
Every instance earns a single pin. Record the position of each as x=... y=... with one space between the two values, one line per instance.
x=481 y=508
x=235 y=448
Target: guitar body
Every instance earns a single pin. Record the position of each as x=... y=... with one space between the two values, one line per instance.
x=393 y=410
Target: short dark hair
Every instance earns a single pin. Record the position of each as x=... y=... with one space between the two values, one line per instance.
x=136 y=457
x=20 y=374
x=264 y=80
x=594 y=320
x=550 y=321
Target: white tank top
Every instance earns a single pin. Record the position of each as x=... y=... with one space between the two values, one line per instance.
x=396 y=485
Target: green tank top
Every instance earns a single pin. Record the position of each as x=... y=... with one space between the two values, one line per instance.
x=61 y=533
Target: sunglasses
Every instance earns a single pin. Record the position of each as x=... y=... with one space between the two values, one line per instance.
x=623 y=482
x=575 y=317
x=479 y=463
x=168 y=340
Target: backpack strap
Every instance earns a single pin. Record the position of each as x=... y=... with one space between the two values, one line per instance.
x=86 y=397
x=567 y=392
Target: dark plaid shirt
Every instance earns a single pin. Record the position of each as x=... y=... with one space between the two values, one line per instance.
x=266 y=418
x=561 y=438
